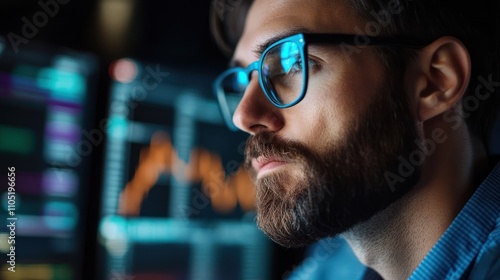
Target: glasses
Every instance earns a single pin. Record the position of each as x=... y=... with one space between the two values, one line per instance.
x=283 y=70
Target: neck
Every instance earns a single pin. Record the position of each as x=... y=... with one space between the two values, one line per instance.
x=396 y=240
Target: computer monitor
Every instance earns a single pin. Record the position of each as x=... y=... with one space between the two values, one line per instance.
x=176 y=201
x=46 y=95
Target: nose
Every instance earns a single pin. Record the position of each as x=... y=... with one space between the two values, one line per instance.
x=255 y=113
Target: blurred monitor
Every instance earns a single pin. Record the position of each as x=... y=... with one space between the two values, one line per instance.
x=46 y=98
x=176 y=201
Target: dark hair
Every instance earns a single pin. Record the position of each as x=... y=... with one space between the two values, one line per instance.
x=475 y=24
x=227 y=20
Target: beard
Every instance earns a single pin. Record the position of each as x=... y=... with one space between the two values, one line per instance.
x=342 y=186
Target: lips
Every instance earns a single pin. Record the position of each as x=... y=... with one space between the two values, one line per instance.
x=263 y=164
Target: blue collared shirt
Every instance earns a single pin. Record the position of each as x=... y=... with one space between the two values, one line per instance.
x=469 y=248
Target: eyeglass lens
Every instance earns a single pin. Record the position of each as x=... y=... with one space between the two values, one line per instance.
x=282 y=77
x=282 y=73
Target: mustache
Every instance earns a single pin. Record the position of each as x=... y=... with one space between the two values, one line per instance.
x=271 y=145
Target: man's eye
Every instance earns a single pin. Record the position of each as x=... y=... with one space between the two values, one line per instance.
x=312 y=64
x=297 y=66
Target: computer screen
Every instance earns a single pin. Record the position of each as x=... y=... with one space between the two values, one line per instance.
x=45 y=109
x=177 y=202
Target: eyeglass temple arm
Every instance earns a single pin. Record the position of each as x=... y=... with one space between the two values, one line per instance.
x=363 y=40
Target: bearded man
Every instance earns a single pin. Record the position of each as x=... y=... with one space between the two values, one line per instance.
x=370 y=119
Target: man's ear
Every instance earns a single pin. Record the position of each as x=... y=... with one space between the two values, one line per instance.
x=439 y=77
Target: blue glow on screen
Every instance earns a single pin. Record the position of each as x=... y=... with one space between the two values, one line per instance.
x=63 y=85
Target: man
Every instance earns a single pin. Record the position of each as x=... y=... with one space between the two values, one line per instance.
x=369 y=119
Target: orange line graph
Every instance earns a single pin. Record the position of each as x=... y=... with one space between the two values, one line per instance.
x=224 y=191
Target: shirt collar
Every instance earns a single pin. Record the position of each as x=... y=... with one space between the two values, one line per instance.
x=456 y=250
x=453 y=254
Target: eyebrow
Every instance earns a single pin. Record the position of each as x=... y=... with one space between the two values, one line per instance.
x=276 y=37
x=260 y=48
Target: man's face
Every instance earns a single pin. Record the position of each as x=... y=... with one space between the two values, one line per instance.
x=319 y=166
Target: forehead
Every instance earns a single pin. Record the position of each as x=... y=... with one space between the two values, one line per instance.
x=269 y=18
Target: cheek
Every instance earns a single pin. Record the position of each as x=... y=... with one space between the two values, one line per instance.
x=319 y=118
x=333 y=104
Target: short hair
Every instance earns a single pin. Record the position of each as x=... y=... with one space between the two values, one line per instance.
x=474 y=23
x=227 y=20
